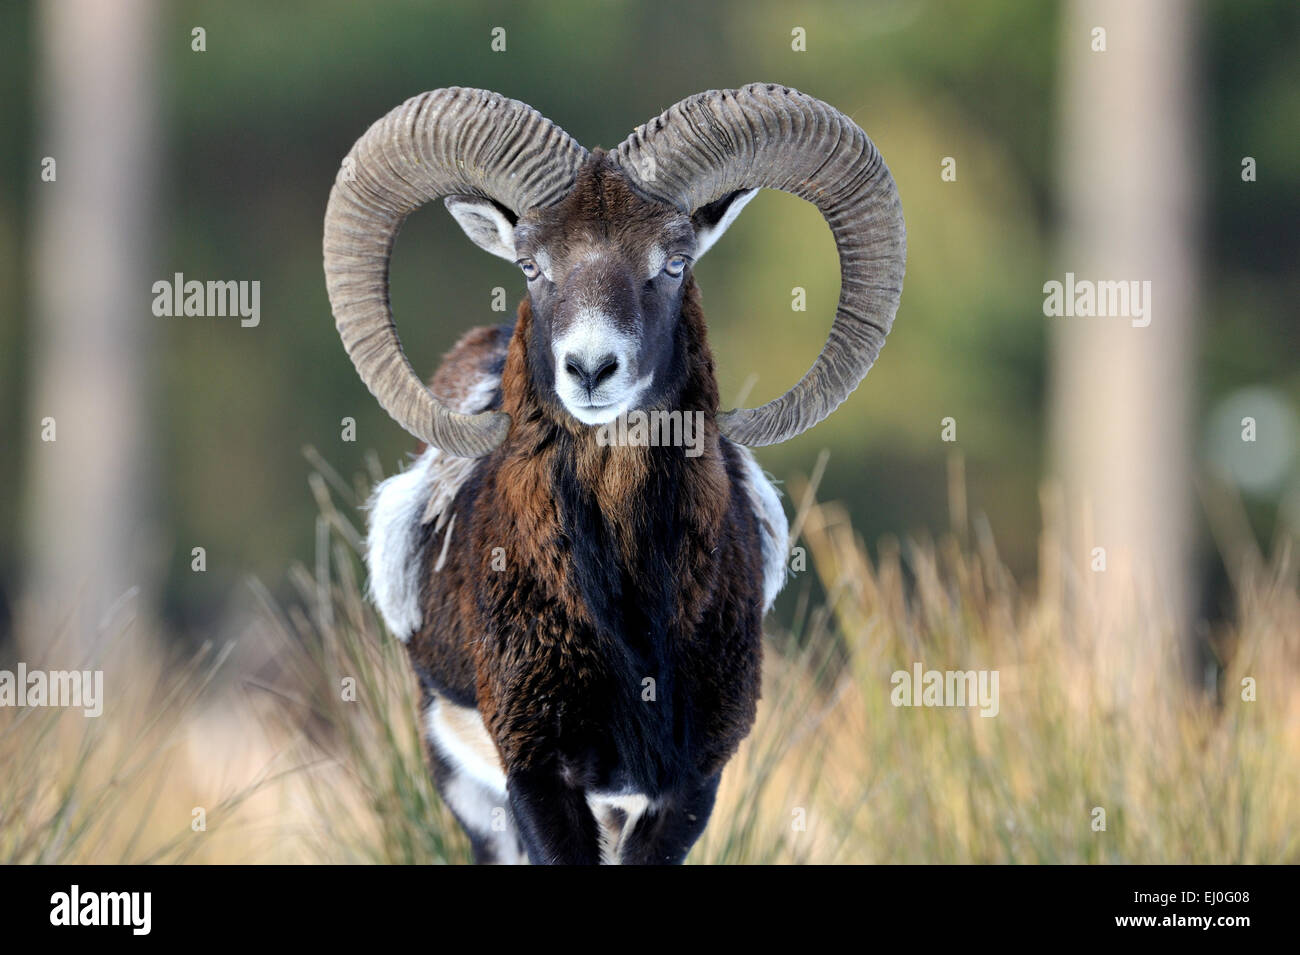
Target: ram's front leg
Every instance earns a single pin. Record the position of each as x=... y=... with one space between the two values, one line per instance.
x=555 y=822
x=664 y=834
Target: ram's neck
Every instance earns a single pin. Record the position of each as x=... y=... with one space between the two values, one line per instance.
x=636 y=512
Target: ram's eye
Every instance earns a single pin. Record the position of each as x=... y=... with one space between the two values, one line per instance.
x=530 y=269
x=675 y=265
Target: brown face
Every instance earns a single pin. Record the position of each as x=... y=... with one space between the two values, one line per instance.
x=606 y=271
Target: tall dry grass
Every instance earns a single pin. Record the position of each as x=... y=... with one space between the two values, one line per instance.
x=303 y=765
x=120 y=787
x=1182 y=774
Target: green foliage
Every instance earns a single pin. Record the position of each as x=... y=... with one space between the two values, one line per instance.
x=255 y=126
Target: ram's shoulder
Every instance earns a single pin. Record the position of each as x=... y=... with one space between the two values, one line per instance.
x=467 y=381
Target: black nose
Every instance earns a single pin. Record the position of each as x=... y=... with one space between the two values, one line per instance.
x=591 y=374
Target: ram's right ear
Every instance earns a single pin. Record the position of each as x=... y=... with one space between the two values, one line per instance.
x=489 y=226
x=716 y=218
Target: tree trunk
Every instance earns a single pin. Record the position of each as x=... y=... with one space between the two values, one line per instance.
x=1122 y=394
x=88 y=526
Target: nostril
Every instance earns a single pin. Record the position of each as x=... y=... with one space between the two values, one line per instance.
x=605 y=368
x=591 y=375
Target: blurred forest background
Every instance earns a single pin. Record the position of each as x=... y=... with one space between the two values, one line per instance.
x=966 y=489
x=233 y=150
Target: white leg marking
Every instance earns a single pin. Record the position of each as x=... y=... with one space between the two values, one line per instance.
x=613 y=833
x=476 y=786
x=460 y=736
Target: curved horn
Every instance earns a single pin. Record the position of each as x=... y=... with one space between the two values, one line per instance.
x=773 y=137
x=445 y=142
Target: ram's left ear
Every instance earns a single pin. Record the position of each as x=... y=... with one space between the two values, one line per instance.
x=714 y=219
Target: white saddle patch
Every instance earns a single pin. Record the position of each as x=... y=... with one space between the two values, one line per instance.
x=773 y=527
x=400 y=506
x=392 y=554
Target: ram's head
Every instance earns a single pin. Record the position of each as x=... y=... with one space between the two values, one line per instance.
x=606 y=242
